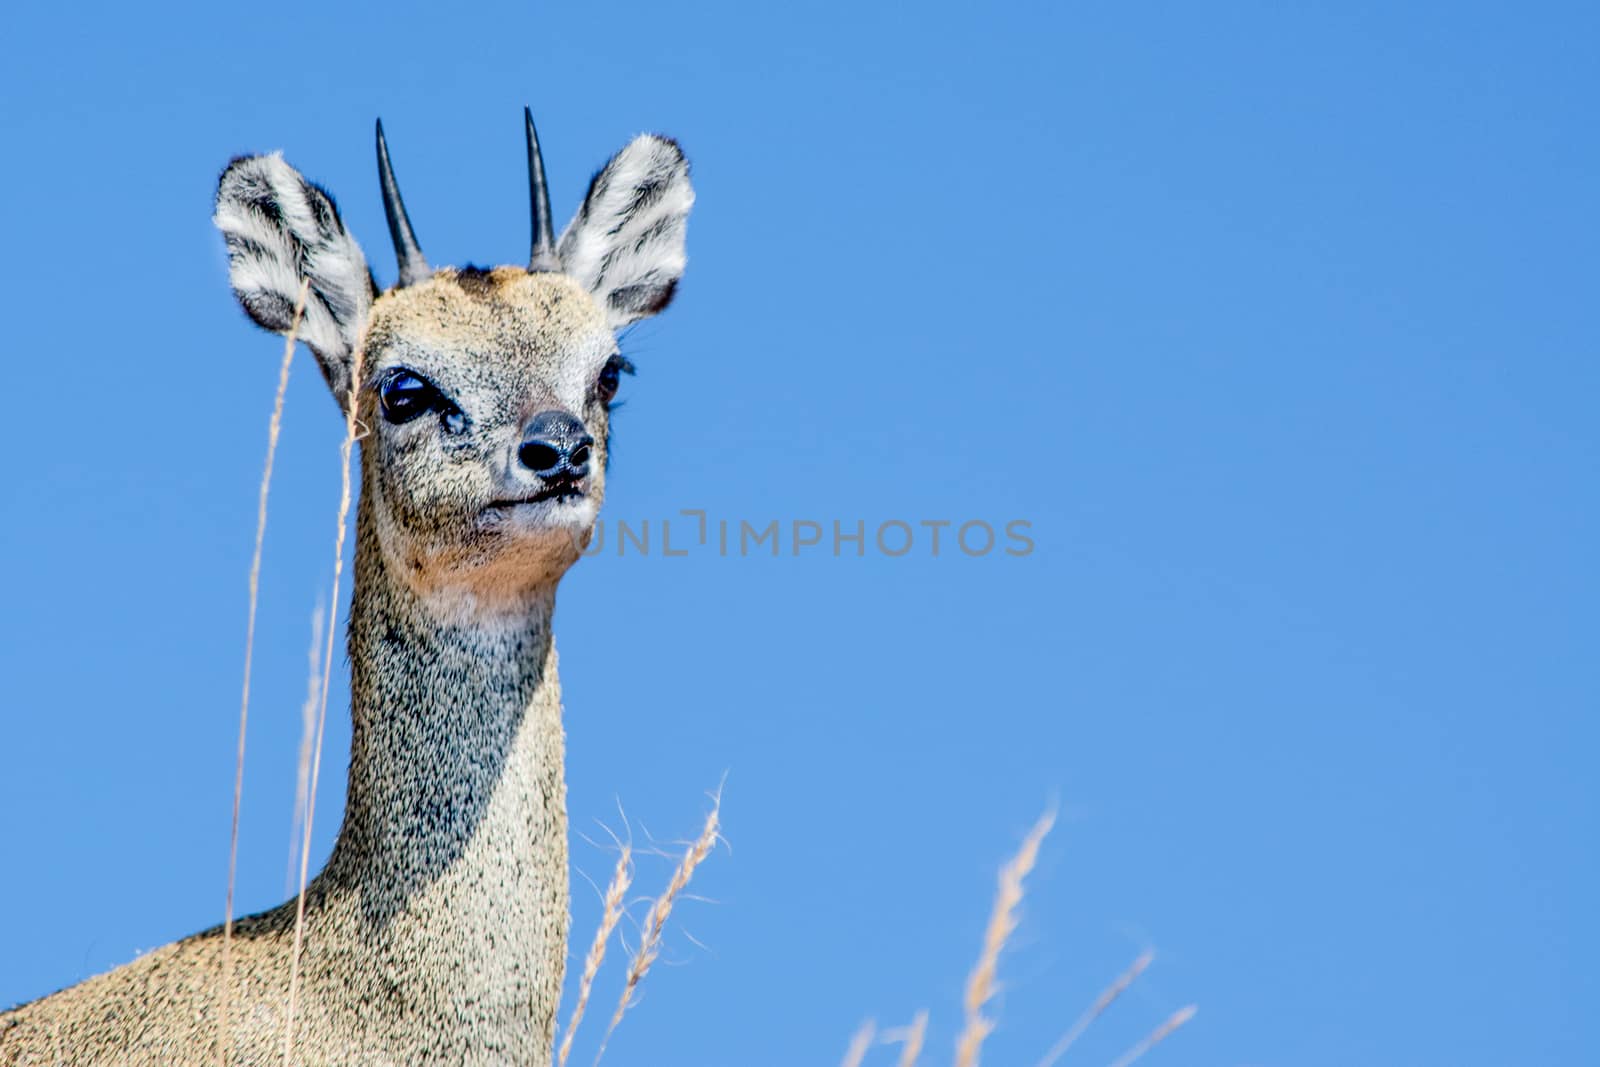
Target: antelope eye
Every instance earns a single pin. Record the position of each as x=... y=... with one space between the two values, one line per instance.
x=403 y=396
x=611 y=377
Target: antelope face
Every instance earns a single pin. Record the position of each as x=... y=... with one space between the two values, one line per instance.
x=483 y=395
x=487 y=398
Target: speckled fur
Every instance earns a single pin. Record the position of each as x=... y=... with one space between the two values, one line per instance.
x=436 y=934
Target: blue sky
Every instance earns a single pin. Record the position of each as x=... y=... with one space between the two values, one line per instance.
x=1274 y=321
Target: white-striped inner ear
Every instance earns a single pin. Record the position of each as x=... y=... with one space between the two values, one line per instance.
x=626 y=243
x=281 y=231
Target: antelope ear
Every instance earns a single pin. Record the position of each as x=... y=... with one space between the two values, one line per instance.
x=282 y=231
x=625 y=245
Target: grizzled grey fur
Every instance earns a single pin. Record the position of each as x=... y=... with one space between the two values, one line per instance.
x=436 y=934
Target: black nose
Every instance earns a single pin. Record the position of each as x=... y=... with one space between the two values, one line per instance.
x=555 y=445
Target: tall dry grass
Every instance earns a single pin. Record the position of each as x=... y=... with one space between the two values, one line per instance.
x=1160 y=1034
x=981 y=987
x=351 y=423
x=1002 y=924
x=611 y=912
x=1098 y=1008
x=911 y=1041
x=274 y=428
x=656 y=919
x=982 y=984
x=859 y=1043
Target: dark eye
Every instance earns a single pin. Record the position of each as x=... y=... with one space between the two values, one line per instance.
x=611 y=377
x=404 y=395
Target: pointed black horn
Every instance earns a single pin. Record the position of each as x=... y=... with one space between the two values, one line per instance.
x=413 y=264
x=543 y=256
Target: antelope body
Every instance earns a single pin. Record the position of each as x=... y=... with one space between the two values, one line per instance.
x=437 y=931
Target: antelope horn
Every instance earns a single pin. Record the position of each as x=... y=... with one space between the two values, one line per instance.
x=413 y=264
x=543 y=255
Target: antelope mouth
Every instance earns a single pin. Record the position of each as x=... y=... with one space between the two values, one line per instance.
x=565 y=492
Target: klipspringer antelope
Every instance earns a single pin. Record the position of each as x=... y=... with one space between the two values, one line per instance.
x=436 y=933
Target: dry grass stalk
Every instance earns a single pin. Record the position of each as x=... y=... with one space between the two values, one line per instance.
x=351 y=423
x=621 y=878
x=911 y=1044
x=1102 y=1002
x=1002 y=922
x=656 y=920
x=1159 y=1034
x=859 y=1045
x=274 y=427
x=308 y=726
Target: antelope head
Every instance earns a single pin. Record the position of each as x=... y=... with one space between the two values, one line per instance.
x=483 y=396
